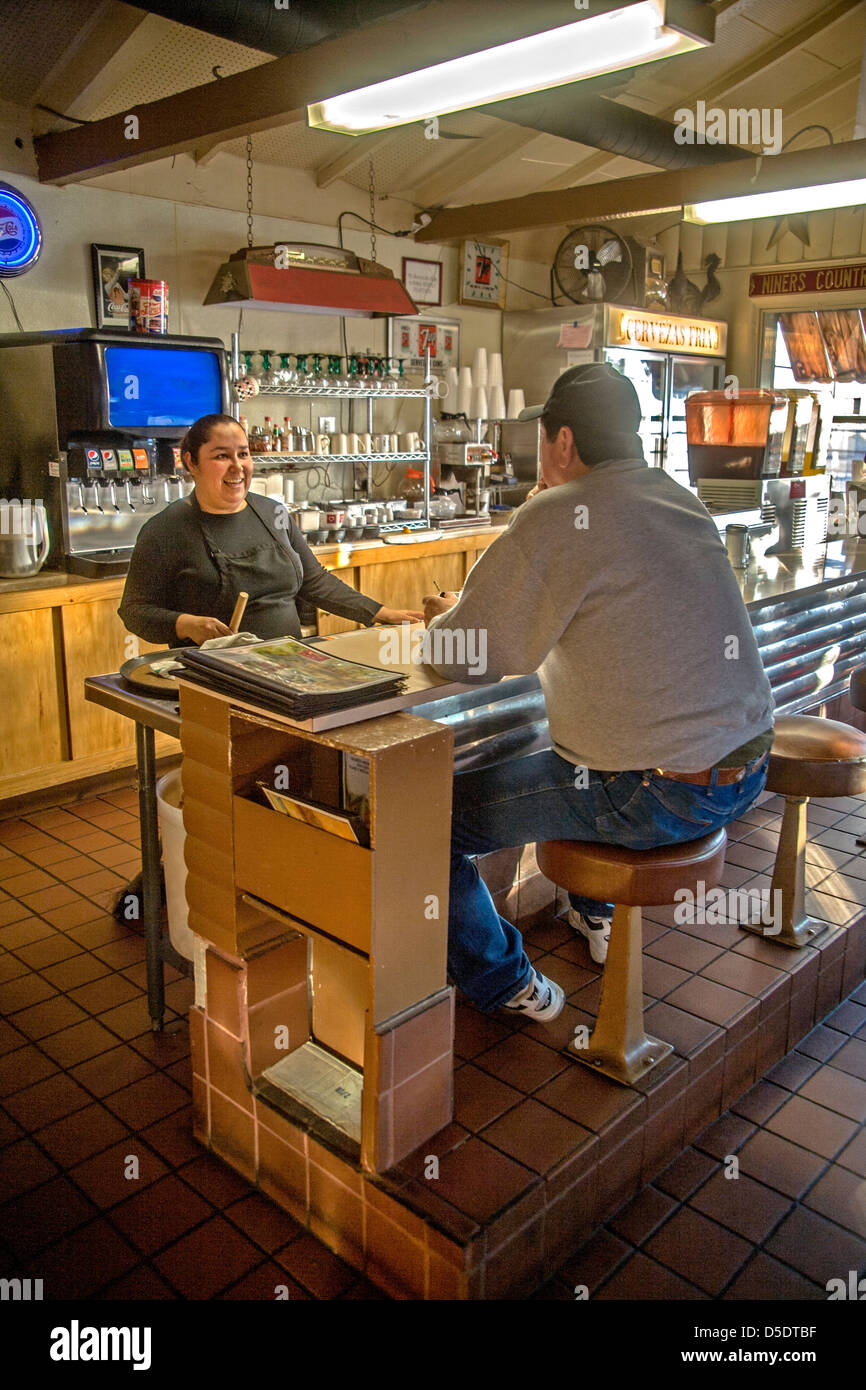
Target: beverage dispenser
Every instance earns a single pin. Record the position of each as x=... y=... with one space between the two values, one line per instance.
x=90 y=424
x=737 y=437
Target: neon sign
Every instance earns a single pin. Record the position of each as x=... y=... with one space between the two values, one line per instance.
x=20 y=233
x=675 y=333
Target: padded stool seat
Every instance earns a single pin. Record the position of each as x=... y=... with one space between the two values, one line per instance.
x=810 y=757
x=816 y=757
x=857 y=691
x=636 y=878
x=631 y=879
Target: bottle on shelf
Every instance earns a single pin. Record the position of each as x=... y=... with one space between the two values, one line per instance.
x=267 y=436
x=245 y=425
x=277 y=439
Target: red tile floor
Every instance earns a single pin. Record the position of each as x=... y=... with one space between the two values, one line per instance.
x=104 y=1194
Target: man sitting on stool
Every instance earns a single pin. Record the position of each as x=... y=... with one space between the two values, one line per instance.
x=612 y=583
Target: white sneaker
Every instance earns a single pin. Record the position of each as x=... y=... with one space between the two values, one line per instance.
x=542 y=1000
x=595 y=929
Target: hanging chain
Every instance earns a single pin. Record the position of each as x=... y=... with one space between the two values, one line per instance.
x=249 y=190
x=372 y=213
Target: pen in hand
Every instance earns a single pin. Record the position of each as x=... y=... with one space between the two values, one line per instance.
x=438 y=587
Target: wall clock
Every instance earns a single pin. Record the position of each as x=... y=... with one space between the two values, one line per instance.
x=20 y=232
x=482 y=272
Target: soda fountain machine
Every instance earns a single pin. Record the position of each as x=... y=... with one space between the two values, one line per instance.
x=90 y=424
x=744 y=451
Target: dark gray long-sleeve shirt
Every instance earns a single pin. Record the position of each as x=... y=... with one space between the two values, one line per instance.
x=617 y=589
x=189 y=561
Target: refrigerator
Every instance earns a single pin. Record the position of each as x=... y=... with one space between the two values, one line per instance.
x=665 y=357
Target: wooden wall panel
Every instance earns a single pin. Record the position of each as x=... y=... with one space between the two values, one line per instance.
x=95 y=642
x=33 y=725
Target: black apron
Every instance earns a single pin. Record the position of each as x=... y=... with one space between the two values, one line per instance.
x=266 y=569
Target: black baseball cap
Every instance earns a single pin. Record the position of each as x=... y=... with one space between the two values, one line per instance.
x=601 y=408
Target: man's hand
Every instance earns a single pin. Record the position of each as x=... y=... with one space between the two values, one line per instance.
x=198 y=629
x=397 y=615
x=437 y=603
x=540 y=486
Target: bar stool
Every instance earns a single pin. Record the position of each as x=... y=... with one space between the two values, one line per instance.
x=631 y=879
x=811 y=756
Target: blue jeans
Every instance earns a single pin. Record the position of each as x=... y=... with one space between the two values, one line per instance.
x=535 y=798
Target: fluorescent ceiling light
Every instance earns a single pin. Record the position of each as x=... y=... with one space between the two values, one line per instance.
x=622 y=38
x=814 y=198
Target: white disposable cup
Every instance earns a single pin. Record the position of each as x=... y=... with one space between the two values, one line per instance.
x=516 y=403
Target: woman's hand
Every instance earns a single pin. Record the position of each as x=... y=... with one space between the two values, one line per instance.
x=437 y=603
x=397 y=615
x=198 y=629
x=540 y=486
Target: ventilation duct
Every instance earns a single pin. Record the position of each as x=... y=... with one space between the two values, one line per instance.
x=278 y=31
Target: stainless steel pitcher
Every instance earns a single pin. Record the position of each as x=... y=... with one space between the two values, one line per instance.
x=24 y=540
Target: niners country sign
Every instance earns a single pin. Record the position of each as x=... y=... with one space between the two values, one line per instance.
x=815 y=280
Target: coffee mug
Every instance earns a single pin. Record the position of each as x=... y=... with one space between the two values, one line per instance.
x=366 y=443
x=339 y=444
x=323 y=443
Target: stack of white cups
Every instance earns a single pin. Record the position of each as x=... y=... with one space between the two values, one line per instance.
x=449 y=400
x=479 y=404
x=479 y=367
x=464 y=392
x=495 y=394
x=516 y=403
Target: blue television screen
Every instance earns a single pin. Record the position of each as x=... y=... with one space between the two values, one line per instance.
x=161 y=386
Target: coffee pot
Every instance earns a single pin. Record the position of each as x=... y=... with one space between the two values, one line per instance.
x=24 y=540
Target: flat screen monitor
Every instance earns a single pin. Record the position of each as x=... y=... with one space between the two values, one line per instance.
x=161 y=386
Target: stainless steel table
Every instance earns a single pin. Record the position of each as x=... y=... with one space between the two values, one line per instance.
x=149 y=714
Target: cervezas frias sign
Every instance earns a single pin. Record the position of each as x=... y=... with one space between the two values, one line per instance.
x=814 y=280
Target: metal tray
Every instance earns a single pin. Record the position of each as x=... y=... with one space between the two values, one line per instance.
x=137 y=673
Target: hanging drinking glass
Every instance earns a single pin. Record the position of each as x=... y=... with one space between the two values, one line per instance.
x=270 y=380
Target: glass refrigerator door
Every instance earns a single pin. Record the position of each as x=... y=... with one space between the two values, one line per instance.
x=646 y=372
x=687 y=374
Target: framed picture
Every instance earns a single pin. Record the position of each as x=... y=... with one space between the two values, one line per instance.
x=410 y=337
x=113 y=268
x=423 y=280
x=481 y=273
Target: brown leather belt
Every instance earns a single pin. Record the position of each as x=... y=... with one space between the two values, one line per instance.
x=723 y=776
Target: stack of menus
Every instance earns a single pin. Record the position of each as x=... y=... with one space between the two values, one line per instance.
x=289 y=677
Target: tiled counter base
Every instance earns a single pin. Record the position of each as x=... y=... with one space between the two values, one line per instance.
x=541 y=1151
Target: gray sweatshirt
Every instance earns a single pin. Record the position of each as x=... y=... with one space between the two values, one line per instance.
x=617 y=589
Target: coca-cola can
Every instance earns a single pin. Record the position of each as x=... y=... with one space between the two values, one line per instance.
x=148 y=306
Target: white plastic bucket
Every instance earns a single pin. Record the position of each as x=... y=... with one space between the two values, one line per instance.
x=173 y=835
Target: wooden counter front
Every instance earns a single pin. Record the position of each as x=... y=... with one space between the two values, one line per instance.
x=56 y=629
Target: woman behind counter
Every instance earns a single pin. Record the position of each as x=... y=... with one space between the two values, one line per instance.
x=193 y=559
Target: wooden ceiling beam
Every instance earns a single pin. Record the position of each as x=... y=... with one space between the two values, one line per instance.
x=277 y=93
x=480 y=156
x=648 y=193
x=357 y=151
x=95 y=45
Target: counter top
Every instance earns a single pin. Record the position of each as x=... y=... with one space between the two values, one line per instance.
x=53 y=588
x=768 y=577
